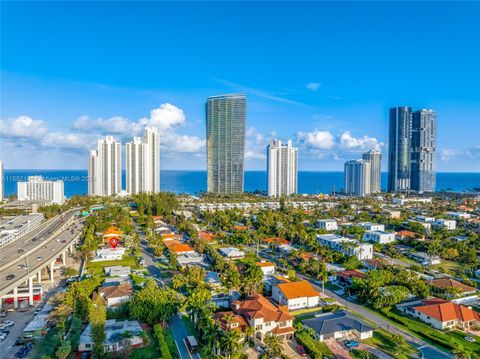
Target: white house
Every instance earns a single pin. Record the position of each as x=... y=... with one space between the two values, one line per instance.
x=424 y=219
x=296 y=295
x=381 y=237
x=350 y=247
x=449 y=224
x=268 y=268
x=327 y=224
x=117 y=271
x=369 y=226
x=113 y=339
x=231 y=252
x=115 y=295
x=109 y=254
x=459 y=215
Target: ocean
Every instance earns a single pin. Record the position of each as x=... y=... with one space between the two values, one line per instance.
x=193 y=182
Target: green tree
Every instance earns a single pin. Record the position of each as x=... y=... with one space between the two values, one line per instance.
x=274 y=345
x=97 y=316
x=230 y=343
x=64 y=349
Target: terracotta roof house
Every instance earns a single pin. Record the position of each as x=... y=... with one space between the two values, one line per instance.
x=230 y=321
x=442 y=314
x=178 y=247
x=261 y=314
x=346 y=277
x=276 y=240
x=206 y=236
x=296 y=295
x=374 y=263
x=268 y=268
x=445 y=283
x=112 y=232
x=404 y=234
x=114 y=295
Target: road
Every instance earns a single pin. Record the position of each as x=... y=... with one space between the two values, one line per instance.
x=428 y=351
x=34 y=260
x=177 y=326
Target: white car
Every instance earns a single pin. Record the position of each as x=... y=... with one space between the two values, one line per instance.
x=8 y=323
x=3 y=335
x=470 y=339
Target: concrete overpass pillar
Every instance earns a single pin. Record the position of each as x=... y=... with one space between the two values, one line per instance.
x=51 y=271
x=15 y=297
x=39 y=276
x=64 y=258
x=30 y=291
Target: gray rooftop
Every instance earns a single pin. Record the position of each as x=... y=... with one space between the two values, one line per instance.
x=330 y=323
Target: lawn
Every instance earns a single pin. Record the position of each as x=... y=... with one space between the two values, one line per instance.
x=311 y=311
x=446 y=340
x=446 y=266
x=332 y=286
x=150 y=351
x=126 y=261
x=385 y=342
x=172 y=347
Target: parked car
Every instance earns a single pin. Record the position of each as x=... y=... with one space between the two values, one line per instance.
x=8 y=323
x=39 y=258
x=21 y=250
x=470 y=339
x=3 y=313
x=3 y=336
x=301 y=351
x=351 y=344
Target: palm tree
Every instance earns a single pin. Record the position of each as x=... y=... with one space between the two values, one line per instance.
x=230 y=343
x=323 y=277
x=274 y=345
x=126 y=336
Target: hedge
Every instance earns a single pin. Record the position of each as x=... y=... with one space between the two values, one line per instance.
x=313 y=347
x=162 y=344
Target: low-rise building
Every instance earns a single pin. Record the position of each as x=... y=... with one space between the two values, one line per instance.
x=381 y=237
x=369 y=226
x=346 y=277
x=117 y=271
x=446 y=284
x=424 y=258
x=405 y=234
x=459 y=215
x=109 y=254
x=268 y=268
x=115 y=295
x=231 y=253
x=114 y=341
x=296 y=295
x=338 y=325
x=327 y=224
x=449 y=224
x=350 y=247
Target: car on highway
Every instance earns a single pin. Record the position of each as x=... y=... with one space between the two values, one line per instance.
x=39 y=258
x=21 y=250
x=301 y=351
x=10 y=276
x=21 y=266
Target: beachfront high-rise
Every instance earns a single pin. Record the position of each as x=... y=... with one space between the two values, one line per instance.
x=375 y=159
x=1 y=181
x=143 y=162
x=399 y=156
x=424 y=133
x=38 y=188
x=282 y=168
x=357 y=177
x=411 y=150
x=105 y=168
x=226 y=117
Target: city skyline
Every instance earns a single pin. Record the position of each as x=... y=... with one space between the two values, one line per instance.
x=330 y=94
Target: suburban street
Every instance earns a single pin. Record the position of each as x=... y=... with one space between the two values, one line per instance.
x=177 y=326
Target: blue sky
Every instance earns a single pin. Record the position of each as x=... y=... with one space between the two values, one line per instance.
x=323 y=74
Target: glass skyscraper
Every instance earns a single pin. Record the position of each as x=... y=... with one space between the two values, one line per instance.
x=226 y=117
x=399 y=149
x=424 y=134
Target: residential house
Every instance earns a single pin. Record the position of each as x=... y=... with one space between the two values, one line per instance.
x=231 y=253
x=405 y=234
x=117 y=271
x=424 y=258
x=109 y=254
x=441 y=314
x=268 y=268
x=114 y=341
x=327 y=224
x=374 y=263
x=114 y=295
x=296 y=295
x=346 y=277
x=451 y=285
x=369 y=226
x=177 y=247
x=381 y=237
x=350 y=247
x=111 y=232
x=448 y=224
x=338 y=325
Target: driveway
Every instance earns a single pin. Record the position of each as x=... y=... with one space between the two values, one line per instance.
x=337 y=349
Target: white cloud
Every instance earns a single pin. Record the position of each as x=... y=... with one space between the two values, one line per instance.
x=314 y=86
x=113 y=125
x=182 y=143
x=317 y=139
x=22 y=127
x=348 y=142
x=68 y=140
x=446 y=154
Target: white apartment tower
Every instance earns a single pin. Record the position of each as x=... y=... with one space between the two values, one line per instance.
x=357 y=177
x=1 y=181
x=37 y=188
x=143 y=162
x=105 y=168
x=282 y=168
x=375 y=159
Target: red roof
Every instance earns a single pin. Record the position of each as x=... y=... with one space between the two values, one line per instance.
x=405 y=233
x=257 y=306
x=351 y=274
x=446 y=311
x=276 y=240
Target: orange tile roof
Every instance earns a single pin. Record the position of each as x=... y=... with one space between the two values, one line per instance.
x=240 y=227
x=114 y=291
x=298 y=289
x=448 y=283
x=265 y=264
x=405 y=233
x=112 y=231
x=276 y=240
x=181 y=248
x=205 y=236
x=284 y=330
x=351 y=274
x=221 y=318
x=168 y=235
x=447 y=311
x=257 y=306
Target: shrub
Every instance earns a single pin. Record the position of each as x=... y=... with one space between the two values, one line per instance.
x=162 y=344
